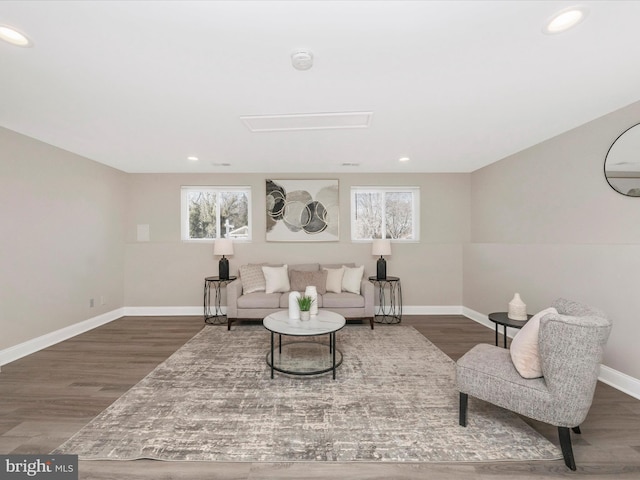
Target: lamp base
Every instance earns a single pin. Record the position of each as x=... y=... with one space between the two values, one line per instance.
x=381 y=269
x=223 y=269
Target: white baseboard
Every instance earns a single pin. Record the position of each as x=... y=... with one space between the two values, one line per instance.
x=618 y=380
x=431 y=310
x=614 y=378
x=34 y=345
x=165 y=311
x=189 y=311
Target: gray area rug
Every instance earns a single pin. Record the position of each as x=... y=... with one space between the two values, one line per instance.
x=394 y=400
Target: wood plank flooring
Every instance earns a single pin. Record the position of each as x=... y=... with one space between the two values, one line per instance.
x=48 y=396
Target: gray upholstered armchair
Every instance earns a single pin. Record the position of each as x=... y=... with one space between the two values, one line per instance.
x=571 y=345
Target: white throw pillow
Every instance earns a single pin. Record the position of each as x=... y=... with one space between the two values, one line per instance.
x=352 y=278
x=334 y=279
x=277 y=279
x=524 y=347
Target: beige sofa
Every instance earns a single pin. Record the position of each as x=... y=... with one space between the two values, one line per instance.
x=259 y=304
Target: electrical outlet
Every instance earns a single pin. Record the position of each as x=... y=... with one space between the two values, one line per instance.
x=103 y=300
x=91 y=303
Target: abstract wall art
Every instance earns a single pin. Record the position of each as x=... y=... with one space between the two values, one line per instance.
x=302 y=211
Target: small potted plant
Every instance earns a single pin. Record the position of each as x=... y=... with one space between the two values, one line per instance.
x=305 y=302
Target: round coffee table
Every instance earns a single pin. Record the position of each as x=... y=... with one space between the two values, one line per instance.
x=304 y=357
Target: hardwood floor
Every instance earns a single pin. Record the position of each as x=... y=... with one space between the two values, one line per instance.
x=48 y=396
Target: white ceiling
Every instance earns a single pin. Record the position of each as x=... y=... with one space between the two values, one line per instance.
x=453 y=85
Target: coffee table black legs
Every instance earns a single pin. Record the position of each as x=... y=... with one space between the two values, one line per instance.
x=332 y=349
x=272 y=354
x=329 y=364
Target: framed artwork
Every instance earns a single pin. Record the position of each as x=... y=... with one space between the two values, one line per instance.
x=302 y=211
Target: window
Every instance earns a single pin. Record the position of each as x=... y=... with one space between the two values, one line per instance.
x=385 y=212
x=216 y=212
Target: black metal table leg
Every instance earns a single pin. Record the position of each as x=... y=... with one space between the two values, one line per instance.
x=272 y=359
x=332 y=341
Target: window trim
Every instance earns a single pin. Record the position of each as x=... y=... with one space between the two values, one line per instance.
x=184 y=209
x=414 y=190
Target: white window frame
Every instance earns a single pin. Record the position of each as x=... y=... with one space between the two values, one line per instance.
x=184 y=209
x=415 y=191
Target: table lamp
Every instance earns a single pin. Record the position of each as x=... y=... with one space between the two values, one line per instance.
x=223 y=246
x=381 y=247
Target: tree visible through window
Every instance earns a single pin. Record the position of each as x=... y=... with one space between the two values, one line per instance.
x=385 y=212
x=215 y=212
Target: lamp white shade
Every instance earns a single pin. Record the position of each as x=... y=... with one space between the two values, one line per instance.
x=223 y=246
x=381 y=247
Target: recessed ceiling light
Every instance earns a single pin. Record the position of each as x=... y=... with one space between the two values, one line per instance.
x=14 y=37
x=565 y=19
x=193 y=159
x=404 y=159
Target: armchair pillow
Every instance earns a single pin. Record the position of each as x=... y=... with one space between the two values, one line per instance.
x=524 y=347
x=301 y=280
x=352 y=279
x=276 y=279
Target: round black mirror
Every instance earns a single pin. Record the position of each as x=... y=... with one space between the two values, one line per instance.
x=622 y=163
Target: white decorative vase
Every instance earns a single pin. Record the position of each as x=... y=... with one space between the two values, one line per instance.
x=294 y=309
x=305 y=315
x=312 y=292
x=517 y=308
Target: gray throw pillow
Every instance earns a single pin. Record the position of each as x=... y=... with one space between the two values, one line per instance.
x=301 y=280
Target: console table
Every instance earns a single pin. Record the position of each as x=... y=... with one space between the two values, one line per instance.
x=214 y=316
x=389 y=309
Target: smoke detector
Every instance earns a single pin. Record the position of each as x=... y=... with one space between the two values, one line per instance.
x=302 y=59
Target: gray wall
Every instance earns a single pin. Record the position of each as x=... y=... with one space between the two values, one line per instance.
x=545 y=223
x=62 y=233
x=168 y=272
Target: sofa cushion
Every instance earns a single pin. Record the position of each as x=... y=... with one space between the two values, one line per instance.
x=300 y=280
x=284 y=301
x=352 y=278
x=342 y=300
x=334 y=279
x=259 y=300
x=276 y=278
x=252 y=278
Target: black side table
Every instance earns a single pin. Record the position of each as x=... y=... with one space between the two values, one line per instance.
x=501 y=318
x=216 y=317
x=389 y=311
